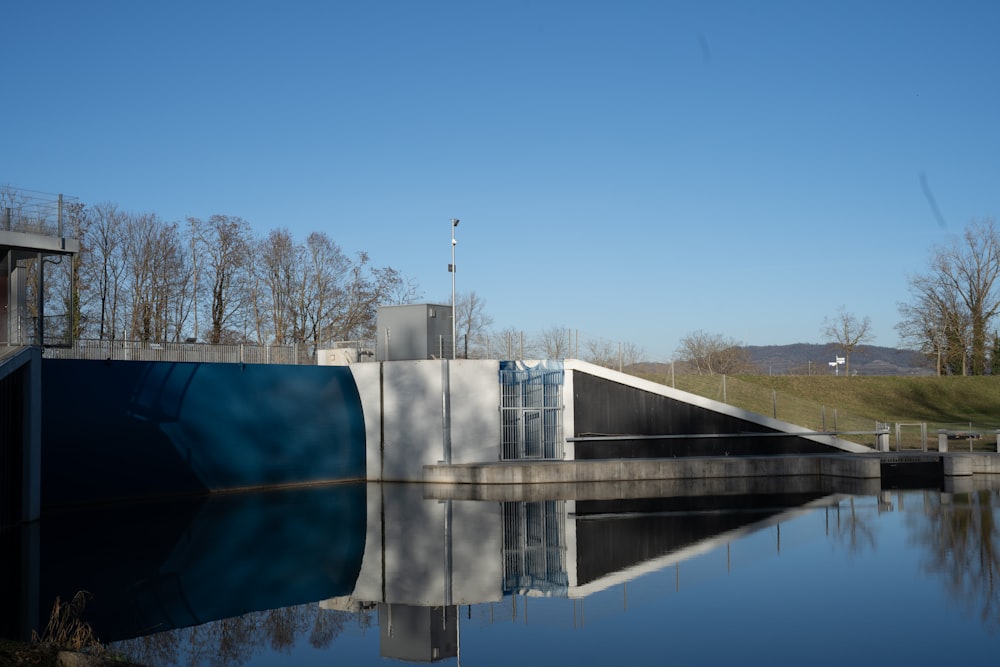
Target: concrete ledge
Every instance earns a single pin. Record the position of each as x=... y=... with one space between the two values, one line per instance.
x=638 y=470
x=983 y=464
x=953 y=464
x=663 y=488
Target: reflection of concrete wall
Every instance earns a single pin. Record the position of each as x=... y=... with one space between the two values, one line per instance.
x=427 y=552
x=421 y=412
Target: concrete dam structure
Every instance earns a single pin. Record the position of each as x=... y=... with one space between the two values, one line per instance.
x=117 y=430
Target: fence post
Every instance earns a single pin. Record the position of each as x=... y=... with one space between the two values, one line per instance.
x=942 y=440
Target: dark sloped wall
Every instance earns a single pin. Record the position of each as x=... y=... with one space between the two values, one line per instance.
x=605 y=407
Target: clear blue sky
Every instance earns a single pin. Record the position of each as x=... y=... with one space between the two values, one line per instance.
x=635 y=170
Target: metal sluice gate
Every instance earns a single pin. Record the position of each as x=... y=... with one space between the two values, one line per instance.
x=531 y=410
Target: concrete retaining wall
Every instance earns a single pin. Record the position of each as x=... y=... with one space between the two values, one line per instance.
x=427 y=412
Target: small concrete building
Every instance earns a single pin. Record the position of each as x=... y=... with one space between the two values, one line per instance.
x=414 y=331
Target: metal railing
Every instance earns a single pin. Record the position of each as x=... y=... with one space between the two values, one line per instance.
x=34 y=212
x=239 y=353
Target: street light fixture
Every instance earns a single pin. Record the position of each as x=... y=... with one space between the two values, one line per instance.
x=451 y=269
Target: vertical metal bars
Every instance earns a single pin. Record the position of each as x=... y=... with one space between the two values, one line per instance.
x=534 y=547
x=531 y=412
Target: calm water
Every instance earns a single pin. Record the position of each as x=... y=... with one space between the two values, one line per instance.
x=379 y=574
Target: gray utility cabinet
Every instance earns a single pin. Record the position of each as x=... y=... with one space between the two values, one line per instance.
x=414 y=331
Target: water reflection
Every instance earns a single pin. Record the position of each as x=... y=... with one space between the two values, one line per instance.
x=402 y=574
x=961 y=540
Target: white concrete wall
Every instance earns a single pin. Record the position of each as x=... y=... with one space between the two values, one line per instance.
x=366 y=377
x=427 y=412
x=569 y=413
x=475 y=411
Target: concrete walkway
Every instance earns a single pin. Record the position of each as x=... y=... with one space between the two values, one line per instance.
x=853 y=466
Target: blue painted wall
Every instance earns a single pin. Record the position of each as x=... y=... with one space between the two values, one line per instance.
x=124 y=429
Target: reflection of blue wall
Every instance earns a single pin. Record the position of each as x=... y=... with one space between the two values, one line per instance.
x=129 y=429
x=151 y=567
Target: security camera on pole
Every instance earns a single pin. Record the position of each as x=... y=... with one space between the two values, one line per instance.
x=451 y=270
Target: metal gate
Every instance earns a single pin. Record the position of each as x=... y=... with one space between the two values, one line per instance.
x=531 y=410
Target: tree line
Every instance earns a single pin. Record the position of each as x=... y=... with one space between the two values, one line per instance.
x=141 y=278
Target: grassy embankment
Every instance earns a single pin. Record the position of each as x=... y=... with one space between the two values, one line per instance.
x=855 y=403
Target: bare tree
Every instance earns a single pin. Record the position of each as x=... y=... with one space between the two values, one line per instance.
x=936 y=323
x=600 y=351
x=105 y=268
x=510 y=343
x=133 y=276
x=224 y=243
x=846 y=332
x=707 y=353
x=471 y=319
x=280 y=265
x=77 y=291
x=323 y=291
x=961 y=287
x=612 y=355
x=556 y=342
x=152 y=252
x=365 y=289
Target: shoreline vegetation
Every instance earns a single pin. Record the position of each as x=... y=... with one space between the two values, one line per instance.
x=66 y=641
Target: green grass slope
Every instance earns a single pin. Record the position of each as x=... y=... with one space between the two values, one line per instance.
x=847 y=404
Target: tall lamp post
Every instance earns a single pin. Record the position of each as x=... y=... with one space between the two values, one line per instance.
x=451 y=269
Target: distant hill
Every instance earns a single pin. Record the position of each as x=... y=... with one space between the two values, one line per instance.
x=814 y=359
x=811 y=358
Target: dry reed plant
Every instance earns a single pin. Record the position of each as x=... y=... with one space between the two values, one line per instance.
x=65 y=628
